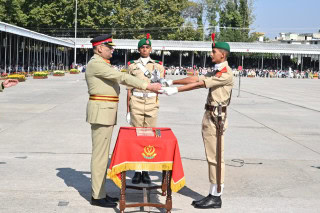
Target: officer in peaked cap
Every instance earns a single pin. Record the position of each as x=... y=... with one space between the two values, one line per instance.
x=102 y=39
x=103 y=87
x=219 y=83
x=143 y=105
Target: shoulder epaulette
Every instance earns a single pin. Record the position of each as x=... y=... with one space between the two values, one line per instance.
x=159 y=62
x=224 y=70
x=130 y=62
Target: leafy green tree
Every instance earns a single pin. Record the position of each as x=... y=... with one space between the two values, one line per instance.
x=235 y=18
x=11 y=12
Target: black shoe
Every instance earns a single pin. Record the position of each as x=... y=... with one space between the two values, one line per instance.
x=136 y=178
x=112 y=199
x=103 y=203
x=199 y=201
x=210 y=202
x=146 y=178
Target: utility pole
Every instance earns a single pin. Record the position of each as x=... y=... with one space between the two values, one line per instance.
x=75 y=35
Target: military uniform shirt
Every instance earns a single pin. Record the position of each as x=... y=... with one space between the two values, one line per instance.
x=102 y=79
x=151 y=65
x=220 y=84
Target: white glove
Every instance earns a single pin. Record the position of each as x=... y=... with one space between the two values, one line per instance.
x=169 y=90
x=128 y=117
x=165 y=82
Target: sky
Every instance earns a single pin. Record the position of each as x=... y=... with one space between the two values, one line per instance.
x=296 y=16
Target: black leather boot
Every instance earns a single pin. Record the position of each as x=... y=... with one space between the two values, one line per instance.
x=136 y=178
x=209 y=202
x=199 y=201
x=103 y=203
x=146 y=178
x=112 y=199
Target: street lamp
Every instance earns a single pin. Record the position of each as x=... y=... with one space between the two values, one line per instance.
x=75 y=36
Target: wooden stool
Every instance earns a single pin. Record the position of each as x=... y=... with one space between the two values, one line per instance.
x=165 y=187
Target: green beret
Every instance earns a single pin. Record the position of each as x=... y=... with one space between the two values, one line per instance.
x=145 y=41
x=221 y=45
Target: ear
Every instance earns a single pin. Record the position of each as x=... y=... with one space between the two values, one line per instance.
x=99 y=49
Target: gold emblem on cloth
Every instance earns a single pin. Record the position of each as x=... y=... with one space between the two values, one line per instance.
x=149 y=152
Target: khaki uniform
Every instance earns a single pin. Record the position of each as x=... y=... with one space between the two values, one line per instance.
x=103 y=80
x=1 y=87
x=220 y=91
x=144 y=110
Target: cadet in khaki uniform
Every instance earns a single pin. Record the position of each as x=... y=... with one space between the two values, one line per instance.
x=219 y=83
x=8 y=83
x=143 y=105
x=103 y=87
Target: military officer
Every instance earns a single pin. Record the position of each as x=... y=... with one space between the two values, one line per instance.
x=8 y=83
x=219 y=83
x=143 y=105
x=103 y=87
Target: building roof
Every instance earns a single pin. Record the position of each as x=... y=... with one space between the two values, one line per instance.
x=240 y=47
x=34 y=35
x=169 y=45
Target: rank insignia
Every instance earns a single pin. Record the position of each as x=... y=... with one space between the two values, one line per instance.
x=149 y=152
x=219 y=73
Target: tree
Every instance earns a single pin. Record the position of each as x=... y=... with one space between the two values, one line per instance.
x=11 y=12
x=235 y=19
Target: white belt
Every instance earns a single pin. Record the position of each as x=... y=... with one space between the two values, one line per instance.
x=144 y=95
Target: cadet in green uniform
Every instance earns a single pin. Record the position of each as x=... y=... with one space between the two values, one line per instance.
x=103 y=87
x=8 y=83
x=219 y=83
x=143 y=105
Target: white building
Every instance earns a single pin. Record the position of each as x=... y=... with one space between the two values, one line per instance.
x=295 y=38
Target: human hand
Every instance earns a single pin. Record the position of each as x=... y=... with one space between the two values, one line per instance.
x=169 y=90
x=154 y=87
x=10 y=83
x=166 y=82
x=128 y=117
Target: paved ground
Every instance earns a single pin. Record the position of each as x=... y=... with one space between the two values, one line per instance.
x=272 y=147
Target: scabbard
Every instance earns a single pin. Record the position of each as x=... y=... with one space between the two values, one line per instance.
x=219 y=151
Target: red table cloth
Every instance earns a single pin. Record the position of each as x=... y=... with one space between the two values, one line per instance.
x=147 y=153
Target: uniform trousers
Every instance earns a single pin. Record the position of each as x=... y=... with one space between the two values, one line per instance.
x=101 y=138
x=144 y=111
x=209 y=136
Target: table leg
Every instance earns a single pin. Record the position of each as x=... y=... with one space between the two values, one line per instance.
x=164 y=183
x=123 y=192
x=169 y=198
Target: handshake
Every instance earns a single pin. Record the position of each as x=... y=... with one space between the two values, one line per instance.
x=166 y=89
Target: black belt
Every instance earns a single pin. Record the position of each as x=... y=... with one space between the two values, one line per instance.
x=213 y=108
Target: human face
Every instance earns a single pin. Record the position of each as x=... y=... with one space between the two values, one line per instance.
x=217 y=56
x=105 y=51
x=145 y=51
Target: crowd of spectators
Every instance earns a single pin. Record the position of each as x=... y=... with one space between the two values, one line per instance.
x=268 y=73
x=188 y=70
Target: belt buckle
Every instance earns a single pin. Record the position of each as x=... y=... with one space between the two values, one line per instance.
x=145 y=95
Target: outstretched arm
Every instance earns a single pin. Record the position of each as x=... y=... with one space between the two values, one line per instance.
x=188 y=80
x=191 y=86
x=187 y=87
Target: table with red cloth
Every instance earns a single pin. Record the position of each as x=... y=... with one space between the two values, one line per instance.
x=147 y=153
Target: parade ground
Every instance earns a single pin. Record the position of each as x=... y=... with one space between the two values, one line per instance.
x=272 y=147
